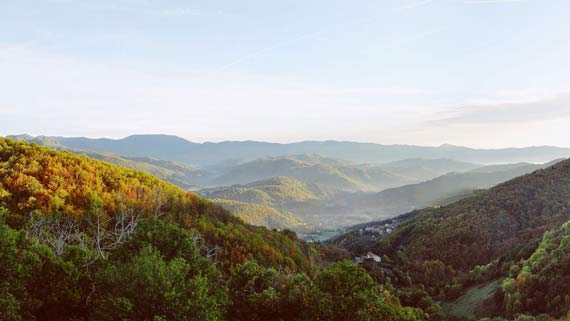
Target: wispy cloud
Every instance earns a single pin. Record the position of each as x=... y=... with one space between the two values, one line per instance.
x=380 y=90
x=413 y=5
x=312 y=35
x=263 y=51
x=490 y=1
x=505 y=111
x=183 y=12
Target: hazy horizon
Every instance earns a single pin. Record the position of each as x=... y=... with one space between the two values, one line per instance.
x=275 y=142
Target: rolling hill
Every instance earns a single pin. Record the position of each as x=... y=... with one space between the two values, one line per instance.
x=437 y=191
x=279 y=197
x=263 y=215
x=313 y=169
x=276 y=191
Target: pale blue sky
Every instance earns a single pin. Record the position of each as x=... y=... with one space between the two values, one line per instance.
x=482 y=73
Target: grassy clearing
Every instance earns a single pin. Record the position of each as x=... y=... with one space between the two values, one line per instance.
x=473 y=304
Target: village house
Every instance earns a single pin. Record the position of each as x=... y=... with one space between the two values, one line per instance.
x=370 y=257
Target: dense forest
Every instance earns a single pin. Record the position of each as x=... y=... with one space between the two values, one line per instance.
x=82 y=239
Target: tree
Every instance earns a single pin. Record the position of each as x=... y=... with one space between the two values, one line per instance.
x=265 y=294
x=37 y=284
x=345 y=292
x=148 y=287
x=158 y=273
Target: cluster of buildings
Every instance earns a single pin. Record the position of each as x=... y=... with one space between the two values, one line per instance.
x=380 y=229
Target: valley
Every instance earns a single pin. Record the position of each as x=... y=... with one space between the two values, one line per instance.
x=314 y=195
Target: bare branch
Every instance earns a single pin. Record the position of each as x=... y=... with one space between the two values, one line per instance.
x=55 y=231
x=102 y=235
x=211 y=253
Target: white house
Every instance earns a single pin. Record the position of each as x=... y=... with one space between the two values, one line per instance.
x=368 y=257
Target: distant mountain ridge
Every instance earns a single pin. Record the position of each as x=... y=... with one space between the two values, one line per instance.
x=314 y=169
x=425 y=169
x=174 y=148
x=436 y=191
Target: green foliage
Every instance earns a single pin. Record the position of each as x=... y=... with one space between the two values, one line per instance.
x=541 y=283
x=35 y=283
x=160 y=274
x=342 y=291
x=260 y=294
x=345 y=291
x=147 y=286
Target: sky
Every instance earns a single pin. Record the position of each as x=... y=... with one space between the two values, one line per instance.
x=479 y=73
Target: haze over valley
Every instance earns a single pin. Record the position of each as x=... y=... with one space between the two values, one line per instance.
x=310 y=193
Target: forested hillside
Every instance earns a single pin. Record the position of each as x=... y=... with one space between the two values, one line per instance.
x=82 y=239
x=491 y=223
x=264 y=215
x=459 y=254
x=39 y=181
x=274 y=192
x=177 y=173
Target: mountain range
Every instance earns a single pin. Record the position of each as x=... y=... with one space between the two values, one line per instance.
x=173 y=148
x=266 y=191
